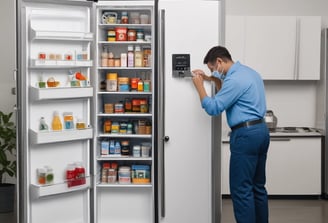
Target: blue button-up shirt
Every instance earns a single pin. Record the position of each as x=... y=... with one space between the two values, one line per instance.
x=242 y=96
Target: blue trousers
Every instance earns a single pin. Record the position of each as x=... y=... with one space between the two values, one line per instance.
x=249 y=147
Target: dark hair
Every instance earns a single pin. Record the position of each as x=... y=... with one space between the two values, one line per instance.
x=215 y=52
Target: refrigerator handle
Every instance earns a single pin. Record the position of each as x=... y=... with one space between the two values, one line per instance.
x=161 y=114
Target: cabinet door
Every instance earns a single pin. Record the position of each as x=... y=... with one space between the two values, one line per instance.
x=309 y=48
x=270 y=46
x=294 y=166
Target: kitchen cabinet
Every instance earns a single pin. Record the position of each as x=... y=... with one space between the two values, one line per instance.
x=278 y=47
x=293 y=166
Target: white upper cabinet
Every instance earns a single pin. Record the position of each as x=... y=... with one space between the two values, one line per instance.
x=278 y=47
x=309 y=48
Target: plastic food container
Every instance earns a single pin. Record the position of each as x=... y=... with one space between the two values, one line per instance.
x=140 y=174
x=124 y=175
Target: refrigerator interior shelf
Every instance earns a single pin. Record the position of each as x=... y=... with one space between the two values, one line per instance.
x=109 y=157
x=37 y=137
x=112 y=135
x=125 y=92
x=124 y=68
x=38 y=191
x=105 y=185
x=60 y=93
x=60 y=35
x=55 y=64
x=125 y=115
x=130 y=26
x=139 y=42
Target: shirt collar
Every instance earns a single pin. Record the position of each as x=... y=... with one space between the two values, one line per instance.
x=233 y=68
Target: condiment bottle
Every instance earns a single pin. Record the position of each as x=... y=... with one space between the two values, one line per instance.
x=124 y=18
x=107 y=126
x=49 y=175
x=56 y=123
x=43 y=125
x=104 y=58
x=70 y=175
x=117 y=148
x=41 y=173
x=80 y=124
x=127 y=105
x=68 y=120
x=138 y=57
x=130 y=56
x=140 y=85
x=79 y=173
x=111 y=82
x=111 y=60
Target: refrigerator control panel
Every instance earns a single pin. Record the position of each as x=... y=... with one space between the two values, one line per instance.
x=181 y=65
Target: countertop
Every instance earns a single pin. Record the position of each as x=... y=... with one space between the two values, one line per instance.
x=288 y=132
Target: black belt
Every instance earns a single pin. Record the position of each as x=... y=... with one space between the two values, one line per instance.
x=248 y=123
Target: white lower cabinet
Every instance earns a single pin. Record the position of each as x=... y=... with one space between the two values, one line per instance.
x=293 y=166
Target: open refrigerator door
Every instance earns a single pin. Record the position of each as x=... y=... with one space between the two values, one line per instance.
x=55 y=90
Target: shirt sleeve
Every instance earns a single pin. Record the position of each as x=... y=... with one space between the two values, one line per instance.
x=226 y=97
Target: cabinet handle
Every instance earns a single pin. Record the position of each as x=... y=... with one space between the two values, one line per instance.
x=297 y=49
x=280 y=139
x=161 y=118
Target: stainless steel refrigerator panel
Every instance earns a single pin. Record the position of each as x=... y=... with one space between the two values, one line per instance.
x=186 y=145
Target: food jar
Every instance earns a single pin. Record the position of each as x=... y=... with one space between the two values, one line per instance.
x=124 y=175
x=121 y=33
x=132 y=35
x=111 y=83
x=125 y=148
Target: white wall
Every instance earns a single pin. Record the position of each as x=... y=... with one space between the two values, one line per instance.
x=293 y=102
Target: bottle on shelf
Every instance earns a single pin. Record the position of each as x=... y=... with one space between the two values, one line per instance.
x=56 y=122
x=43 y=125
x=80 y=173
x=130 y=56
x=138 y=57
x=49 y=175
x=104 y=57
x=70 y=175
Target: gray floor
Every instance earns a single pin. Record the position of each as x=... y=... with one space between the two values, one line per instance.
x=286 y=211
x=281 y=211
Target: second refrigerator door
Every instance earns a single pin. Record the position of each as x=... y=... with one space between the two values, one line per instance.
x=185 y=184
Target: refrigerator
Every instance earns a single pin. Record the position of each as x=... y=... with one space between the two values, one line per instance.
x=110 y=127
x=322 y=108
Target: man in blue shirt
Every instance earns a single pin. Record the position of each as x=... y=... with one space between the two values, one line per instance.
x=241 y=94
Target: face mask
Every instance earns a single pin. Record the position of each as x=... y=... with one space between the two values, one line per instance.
x=218 y=74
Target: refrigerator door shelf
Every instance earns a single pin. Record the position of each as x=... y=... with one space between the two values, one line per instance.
x=60 y=136
x=60 y=35
x=54 y=64
x=60 y=93
x=38 y=191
